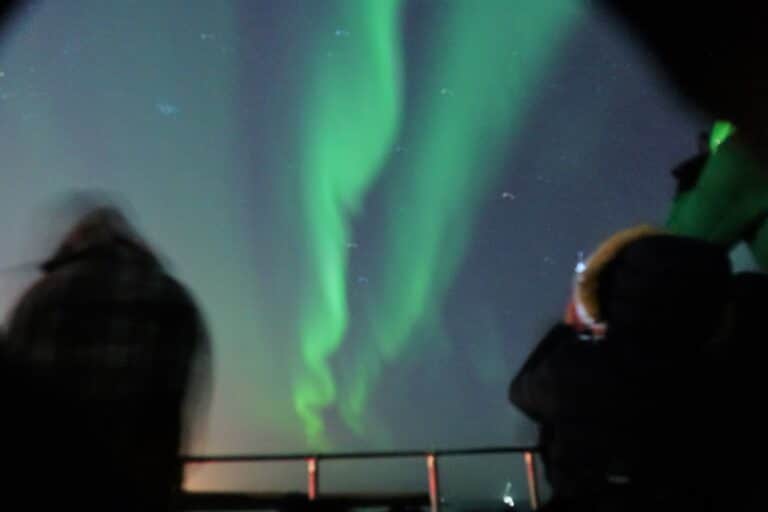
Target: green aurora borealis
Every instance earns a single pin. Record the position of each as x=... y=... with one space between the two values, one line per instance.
x=354 y=115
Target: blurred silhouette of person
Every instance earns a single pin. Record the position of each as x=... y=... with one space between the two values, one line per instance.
x=722 y=195
x=715 y=58
x=620 y=390
x=106 y=362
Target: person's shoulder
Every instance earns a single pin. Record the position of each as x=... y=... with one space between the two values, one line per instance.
x=171 y=291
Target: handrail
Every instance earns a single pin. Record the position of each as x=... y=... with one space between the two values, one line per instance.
x=261 y=457
x=431 y=456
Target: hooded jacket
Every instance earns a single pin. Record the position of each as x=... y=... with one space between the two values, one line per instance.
x=104 y=355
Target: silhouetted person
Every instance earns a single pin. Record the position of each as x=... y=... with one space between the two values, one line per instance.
x=738 y=375
x=625 y=409
x=105 y=355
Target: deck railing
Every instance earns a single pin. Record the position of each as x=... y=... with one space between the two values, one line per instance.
x=431 y=458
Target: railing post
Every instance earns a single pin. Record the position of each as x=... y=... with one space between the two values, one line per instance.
x=533 y=484
x=312 y=478
x=434 y=483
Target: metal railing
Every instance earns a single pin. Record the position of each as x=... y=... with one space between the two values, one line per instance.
x=431 y=458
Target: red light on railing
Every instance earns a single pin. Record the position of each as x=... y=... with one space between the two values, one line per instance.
x=533 y=488
x=312 y=478
x=434 y=486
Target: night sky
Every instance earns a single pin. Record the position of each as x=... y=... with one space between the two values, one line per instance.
x=378 y=204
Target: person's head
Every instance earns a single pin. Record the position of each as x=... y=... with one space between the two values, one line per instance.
x=664 y=285
x=644 y=281
x=92 y=220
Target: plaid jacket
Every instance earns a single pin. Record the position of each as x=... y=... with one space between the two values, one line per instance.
x=104 y=356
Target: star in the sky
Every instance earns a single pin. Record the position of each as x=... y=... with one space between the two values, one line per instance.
x=581 y=265
x=167 y=109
